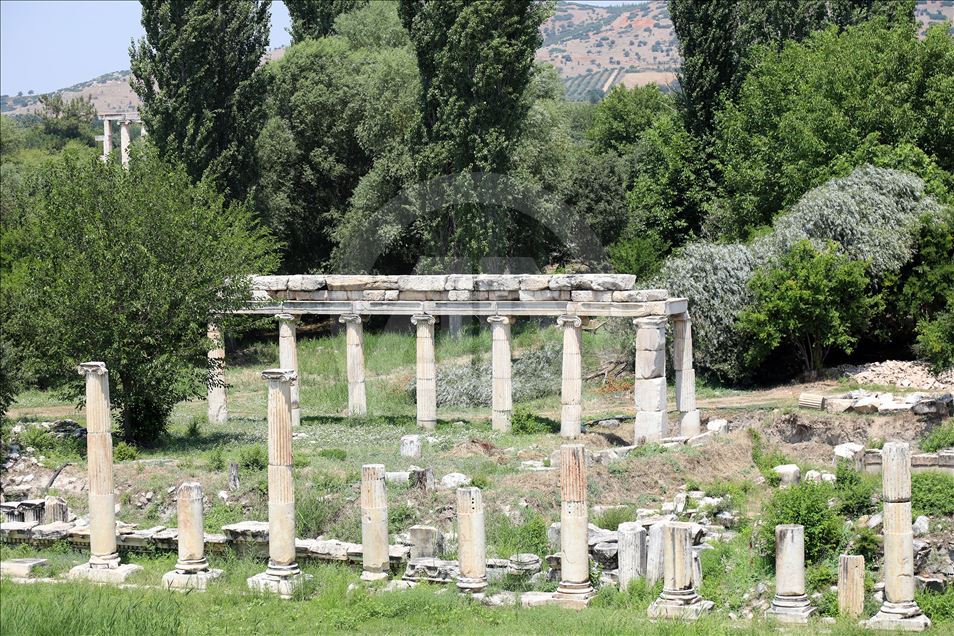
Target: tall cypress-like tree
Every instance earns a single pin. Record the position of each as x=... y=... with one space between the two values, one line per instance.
x=476 y=62
x=315 y=18
x=195 y=72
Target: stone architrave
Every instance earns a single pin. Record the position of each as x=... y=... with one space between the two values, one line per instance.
x=288 y=359
x=650 y=386
x=899 y=612
x=502 y=400
x=124 y=141
x=689 y=423
x=426 y=372
x=374 y=523
x=283 y=575
x=218 y=411
x=571 y=393
x=104 y=565
x=471 y=541
x=631 y=555
x=192 y=569
x=354 y=350
x=851 y=585
x=107 y=138
x=574 y=529
x=790 y=604
x=679 y=599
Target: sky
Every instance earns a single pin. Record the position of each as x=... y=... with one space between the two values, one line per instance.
x=48 y=45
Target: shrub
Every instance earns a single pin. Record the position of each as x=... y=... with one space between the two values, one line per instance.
x=938 y=607
x=941 y=437
x=509 y=538
x=253 y=457
x=868 y=544
x=194 y=429
x=932 y=494
x=855 y=490
x=481 y=481
x=805 y=504
x=333 y=453
x=124 y=452
x=935 y=341
x=523 y=421
x=766 y=460
x=610 y=519
x=216 y=459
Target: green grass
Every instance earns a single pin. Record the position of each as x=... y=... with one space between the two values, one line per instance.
x=941 y=437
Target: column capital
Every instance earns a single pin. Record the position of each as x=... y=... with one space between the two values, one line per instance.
x=504 y=320
x=285 y=317
x=97 y=368
x=426 y=319
x=279 y=375
x=350 y=318
x=683 y=317
x=574 y=321
x=650 y=322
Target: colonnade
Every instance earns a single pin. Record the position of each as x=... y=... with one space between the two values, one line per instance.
x=125 y=135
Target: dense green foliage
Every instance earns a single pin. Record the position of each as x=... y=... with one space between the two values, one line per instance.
x=805 y=504
x=126 y=267
x=201 y=97
x=932 y=494
x=940 y=437
x=316 y=18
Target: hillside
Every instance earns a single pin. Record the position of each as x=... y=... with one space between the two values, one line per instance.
x=593 y=48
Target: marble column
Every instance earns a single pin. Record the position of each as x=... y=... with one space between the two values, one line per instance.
x=502 y=400
x=471 y=540
x=851 y=585
x=218 y=411
x=899 y=612
x=632 y=555
x=689 y=424
x=679 y=599
x=107 y=138
x=790 y=604
x=574 y=528
x=124 y=140
x=288 y=358
x=192 y=569
x=571 y=393
x=143 y=133
x=651 y=425
x=426 y=372
x=354 y=350
x=282 y=576
x=374 y=523
x=104 y=564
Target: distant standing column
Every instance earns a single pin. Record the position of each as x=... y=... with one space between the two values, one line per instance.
x=354 y=352
x=104 y=564
x=790 y=604
x=472 y=542
x=679 y=599
x=571 y=393
x=288 y=359
x=283 y=575
x=107 y=138
x=124 y=140
x=851 y=585
x=502 y=401
x=426 y=372
x=631 y=554
x=192 y=569
x=574 y=529
x=685 y=376
x=651 y=425
x=218 y=411
x=899 y=611
x=374 y=523
x=143 y=133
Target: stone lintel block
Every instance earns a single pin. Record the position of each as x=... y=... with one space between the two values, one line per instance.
x=462 y=282
x=595 y=282
x=650 y=363
x=305 y=282
x=422 y=283
x=503 y=295
x=270 y=283
x=651 y=394
x=21 y=568
x=497 y=282
x=591 y=296
x=283 y=586
x=186 y=581
x=640 y=295
x=113 y=576
x=545 y=295
x=650 y=426
x=360 y=282
x=534 y=282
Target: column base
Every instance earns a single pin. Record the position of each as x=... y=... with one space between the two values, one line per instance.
x=684 y=604
x=427 y=425
x=790 y=609
x=471 y=585
x=198 y=581
x=370 y=577
x=113 y=575
x=689 y=424
x=575 y=591
x=901 y=617
x=650 y=426
x=283 y=586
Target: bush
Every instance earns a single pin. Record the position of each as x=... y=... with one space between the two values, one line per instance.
x=124 y=452
x=935 y=341
x=611 y=518
x=523 y=421
x=508 y=538
x=253 y=457
x=932 y=494
x=216 y=459
x=805 y=504
x=938 y=607
x=855 y=490
x=941 y=437
x=766 y=460
x=333 y=453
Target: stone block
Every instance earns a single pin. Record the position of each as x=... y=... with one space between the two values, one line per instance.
x=283 y=586
x=459 y=295
x=270 y=283
x=789 y=474
x=190 y=581
x=544 y=295
x=640 y=295
x=590 y=296
x=651 y=394
x=811 y=401
x=719 y=426
x=113 y=576
x=497 y=282
x=20 y=568
x=866 y=405
x=360 y=282
x=650 y=364
x=650 y=426
x=422 y=283
x=651 y=338
x=838 y=405
x=685 y=390
x=411 y=446
x=426 y=541
x=460 y=282
x=534 y=282
x=305 y=282
x=851 y=452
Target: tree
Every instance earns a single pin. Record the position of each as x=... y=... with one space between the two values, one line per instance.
x=202 y=99
x=127 y=267
x=813 y=300
x=315 y=18
x=65 y=120
x=476 y=62
x=622 y=116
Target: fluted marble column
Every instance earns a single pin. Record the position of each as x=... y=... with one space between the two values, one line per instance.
x=192 y=569
x=104 y=564
x=124 y=140
x=689 y=424
x=471 y=540
x=107 y=139
x=571 y=393
x=851 y=585
x=426 y=372
x=679 y=599
x=632 y=554
x=218 y=411
x=288 y=359
x=502 y=399
x=651 y=425
x=899 y=610
x=354 y=351
x=374 y=523
x=283 y=574
x=574 y=529
x=790 y=604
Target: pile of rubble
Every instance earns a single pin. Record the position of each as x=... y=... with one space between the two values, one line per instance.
x=867 y=402
x=902 y=373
